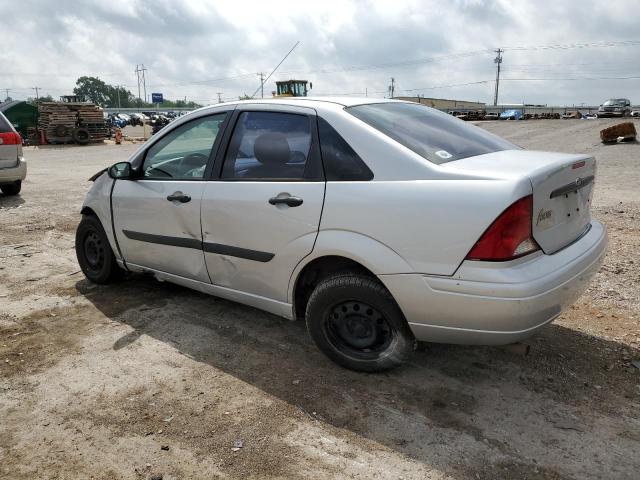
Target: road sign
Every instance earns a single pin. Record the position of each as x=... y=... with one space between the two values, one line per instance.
x=156 y=98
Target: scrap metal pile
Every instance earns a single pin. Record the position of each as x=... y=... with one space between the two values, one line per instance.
x=66 y=122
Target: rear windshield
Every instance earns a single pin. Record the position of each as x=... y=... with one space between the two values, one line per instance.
x=5 y=126
x=436 y=136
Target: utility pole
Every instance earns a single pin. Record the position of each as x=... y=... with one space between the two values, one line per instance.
x=219 y=97
x=261 y=75
x=37 y=96
x=118 y=91
x=497 y=61
x=392 y=87
x=144 y=83
x=6 y=91
x=137 y=72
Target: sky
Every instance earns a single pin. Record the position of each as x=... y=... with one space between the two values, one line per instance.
x=568 y=52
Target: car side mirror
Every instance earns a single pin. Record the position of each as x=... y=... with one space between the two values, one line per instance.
x=121 y=171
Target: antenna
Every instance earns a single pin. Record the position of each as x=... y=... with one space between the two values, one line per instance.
x=273 y=71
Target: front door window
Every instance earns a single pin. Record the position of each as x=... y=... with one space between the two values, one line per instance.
x=183 y=154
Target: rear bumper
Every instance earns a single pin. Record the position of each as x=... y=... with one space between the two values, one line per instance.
x=498 y=303
x=11 y=174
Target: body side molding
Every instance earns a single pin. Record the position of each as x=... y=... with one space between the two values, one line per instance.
x=209 y=247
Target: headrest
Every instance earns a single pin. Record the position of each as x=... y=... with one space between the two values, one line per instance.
x=272 y=148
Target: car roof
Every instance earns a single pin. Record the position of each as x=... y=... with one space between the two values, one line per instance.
x=312 y=102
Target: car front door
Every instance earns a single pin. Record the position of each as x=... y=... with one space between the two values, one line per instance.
x=261 y=211
x=157 y=216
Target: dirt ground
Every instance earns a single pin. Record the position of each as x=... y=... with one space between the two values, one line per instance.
x=143 y=378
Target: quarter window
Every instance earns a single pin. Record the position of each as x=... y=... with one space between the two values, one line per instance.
x=268 y=145
x=183 y=153
x=339 y=159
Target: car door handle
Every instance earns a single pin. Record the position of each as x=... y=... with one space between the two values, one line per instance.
x=179 y=196
x=291 y=201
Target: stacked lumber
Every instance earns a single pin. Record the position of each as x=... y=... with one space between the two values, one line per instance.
x=56 y=120
x=90 y=117
x=60 y=120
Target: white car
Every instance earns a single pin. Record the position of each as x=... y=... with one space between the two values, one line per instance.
x=379 y=222
x=13 y=167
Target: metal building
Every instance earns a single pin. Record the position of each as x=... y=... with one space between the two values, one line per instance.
x=22 y=115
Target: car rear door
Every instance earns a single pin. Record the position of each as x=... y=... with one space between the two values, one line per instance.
x=157 y=217
x=261 y=209
x=10 y=144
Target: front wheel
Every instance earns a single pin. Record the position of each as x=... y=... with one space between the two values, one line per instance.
x=96 y=259
x=355 y=322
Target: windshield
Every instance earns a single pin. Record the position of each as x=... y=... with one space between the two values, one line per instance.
x=434 y=135
x=614 y=101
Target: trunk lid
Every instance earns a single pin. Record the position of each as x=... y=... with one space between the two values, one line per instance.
x=562 y=186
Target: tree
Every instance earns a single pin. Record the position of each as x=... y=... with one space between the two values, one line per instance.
x=105 y=95
x=120 y=97
x=245 y=97
x=93 y=89
x=43 y=98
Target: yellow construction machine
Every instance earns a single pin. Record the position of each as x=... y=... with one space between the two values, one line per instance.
x=292 y=88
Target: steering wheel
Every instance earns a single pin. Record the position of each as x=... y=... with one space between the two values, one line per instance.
x=195 y=160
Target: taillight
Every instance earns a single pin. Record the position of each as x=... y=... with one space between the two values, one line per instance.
x=509 y=236
x=10 y=138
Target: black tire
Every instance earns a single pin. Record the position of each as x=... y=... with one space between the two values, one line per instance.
x=96 y=259
x=81 y=136
x=11 y=188
x=61 y=130
x=355 y=321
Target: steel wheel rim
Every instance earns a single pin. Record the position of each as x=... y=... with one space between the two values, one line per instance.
x=94 y=251
x=358 y=329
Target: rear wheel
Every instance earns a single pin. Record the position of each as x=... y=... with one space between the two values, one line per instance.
x=11 y=188
x=354 y=320
x=94 y=253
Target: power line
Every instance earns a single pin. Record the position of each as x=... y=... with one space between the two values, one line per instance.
x=447 y=86
x=635 y=77
x=569 y=46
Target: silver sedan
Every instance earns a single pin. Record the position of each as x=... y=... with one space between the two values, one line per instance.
x=378 y=222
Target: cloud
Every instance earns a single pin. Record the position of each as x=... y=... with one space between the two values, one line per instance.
x=198 y=48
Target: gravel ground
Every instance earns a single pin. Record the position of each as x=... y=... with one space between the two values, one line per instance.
x=143 y=378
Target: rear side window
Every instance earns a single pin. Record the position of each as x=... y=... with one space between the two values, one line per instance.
x=268 y=146
x=5 y=126
x=339 y=159
x=434 y=135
